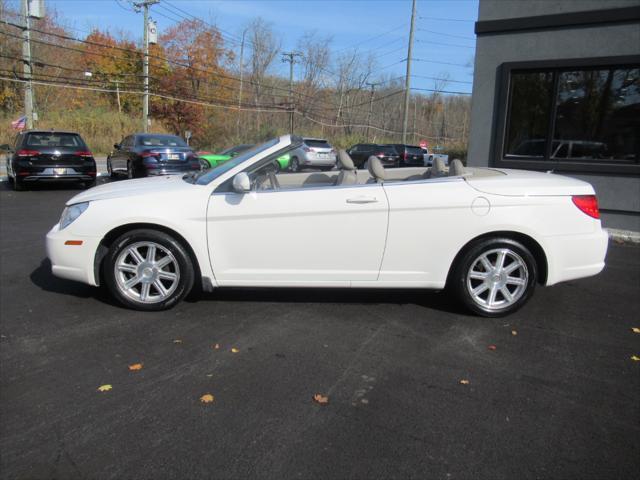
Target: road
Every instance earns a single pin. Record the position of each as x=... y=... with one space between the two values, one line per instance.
x=557 y=398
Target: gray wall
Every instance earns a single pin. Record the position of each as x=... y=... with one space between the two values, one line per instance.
x=618 y=196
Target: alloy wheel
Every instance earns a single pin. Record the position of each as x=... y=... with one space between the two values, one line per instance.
x=497 y=279
x=147 y=272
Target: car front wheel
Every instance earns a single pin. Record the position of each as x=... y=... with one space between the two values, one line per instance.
x=148 y=270
x=495 y=277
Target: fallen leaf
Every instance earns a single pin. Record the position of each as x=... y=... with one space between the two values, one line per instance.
x=514 y=332
x=321 y=399
x=635 y=330
x=216 y=346
x=135 y=366
x=177 y=340
x=209 y=375
x=206 y=398
x=234 y=350
x=464 y=382
x=635 y=358
x=492 y=347
x=104 y=388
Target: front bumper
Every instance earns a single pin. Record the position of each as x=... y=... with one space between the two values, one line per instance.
x=72 y=262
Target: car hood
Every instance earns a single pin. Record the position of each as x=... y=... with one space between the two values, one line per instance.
x=132 y=188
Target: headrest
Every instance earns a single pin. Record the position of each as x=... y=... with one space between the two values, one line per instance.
x=456 y=168
x=374 y=165
x=345 y=161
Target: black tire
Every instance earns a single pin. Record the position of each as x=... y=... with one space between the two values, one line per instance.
x=326 y=169
x=18 y=186
x=130 y=171
x=294 y=165
x=89 y=184
x=110 y=171
x=469 y=266
x=183 y=265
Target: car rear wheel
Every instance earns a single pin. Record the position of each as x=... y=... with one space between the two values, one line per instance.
x=18 y=186
x=495 y=277
x=148 y=270
x=110 y=171
x=295 y=164
x=130 y=173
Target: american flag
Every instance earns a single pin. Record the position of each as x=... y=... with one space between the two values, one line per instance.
x=20 y=123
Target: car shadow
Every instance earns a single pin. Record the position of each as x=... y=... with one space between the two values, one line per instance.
x=42 y=278
x=441 y=301
x=436 y=300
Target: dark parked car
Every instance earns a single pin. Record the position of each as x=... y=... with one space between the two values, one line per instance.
x=39 y=156
x=145 y=154
x=361 y=152
x=410 y=155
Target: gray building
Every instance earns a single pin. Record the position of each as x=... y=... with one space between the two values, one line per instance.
x=557 y=87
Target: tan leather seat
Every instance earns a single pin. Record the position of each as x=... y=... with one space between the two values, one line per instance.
x=348 y=174
x=456 y=168
x=376 y=169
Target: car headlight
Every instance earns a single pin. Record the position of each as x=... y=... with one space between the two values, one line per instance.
x=70 y=213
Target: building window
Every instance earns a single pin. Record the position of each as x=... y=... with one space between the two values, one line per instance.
x=573 y=118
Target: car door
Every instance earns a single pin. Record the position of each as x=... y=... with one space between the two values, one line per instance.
x=323 y=235
x=429 y=222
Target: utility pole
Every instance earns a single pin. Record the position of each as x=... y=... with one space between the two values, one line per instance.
x=291 y=58
x=26 y=64
x=407 y=80
x=241 y=77
x=118 y=82
x=373 y=87
x=144 y=5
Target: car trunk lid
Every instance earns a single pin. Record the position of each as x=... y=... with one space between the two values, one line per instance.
x=509 y=182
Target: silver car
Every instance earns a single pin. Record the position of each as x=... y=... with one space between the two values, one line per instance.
x=313 y=153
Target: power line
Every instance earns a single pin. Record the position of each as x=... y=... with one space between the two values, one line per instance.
x=445 y=44
x=440 y=91
x=440 y=19
x=442 y=63
x=446 y=34
x=442 y=79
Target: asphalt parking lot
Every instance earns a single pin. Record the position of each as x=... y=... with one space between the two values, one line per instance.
x=558 y=398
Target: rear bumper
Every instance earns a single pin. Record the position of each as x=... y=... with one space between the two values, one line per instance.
x=56 y=174
x=575 y=256
x=152 y=172
x=319 y=162
x=72 y=262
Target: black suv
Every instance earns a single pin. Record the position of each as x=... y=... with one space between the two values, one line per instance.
x=410 y=155
x=49 y=156
x=361 y=152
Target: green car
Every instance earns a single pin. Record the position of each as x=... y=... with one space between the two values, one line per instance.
x=216 y=159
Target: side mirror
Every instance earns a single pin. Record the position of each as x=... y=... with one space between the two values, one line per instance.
x=241 y=183
x=116 y=146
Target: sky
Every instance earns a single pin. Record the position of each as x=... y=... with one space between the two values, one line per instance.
x=444 y=28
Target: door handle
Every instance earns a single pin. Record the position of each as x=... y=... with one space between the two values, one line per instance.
x=362 y=199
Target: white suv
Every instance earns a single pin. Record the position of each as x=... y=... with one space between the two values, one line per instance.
x=313 y=153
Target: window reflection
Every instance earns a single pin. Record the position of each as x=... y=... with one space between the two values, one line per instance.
x=529 y=120
x=595 y=113
x=598 y=114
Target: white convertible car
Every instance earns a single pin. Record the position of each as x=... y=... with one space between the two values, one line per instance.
x=489 y=234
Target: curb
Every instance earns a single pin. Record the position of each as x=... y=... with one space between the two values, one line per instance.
x=624 y=236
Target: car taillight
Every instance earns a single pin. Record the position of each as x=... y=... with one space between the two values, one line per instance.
x=150 y=154
x=380 y=154
x=587 y=204
x=307 y=149
x=405 y=155
x=84 y=153
x=27 y=153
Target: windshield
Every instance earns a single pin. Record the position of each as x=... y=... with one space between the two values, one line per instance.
x=54 y=139
x=236 y=149
x=208 y=176
x=160 y=141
